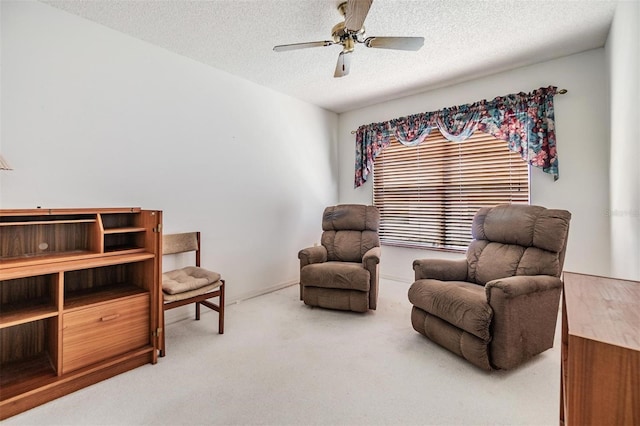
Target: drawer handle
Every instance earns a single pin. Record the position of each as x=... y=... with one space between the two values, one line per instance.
x=109 y=317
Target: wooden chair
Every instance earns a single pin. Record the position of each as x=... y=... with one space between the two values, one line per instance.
x=191 y=284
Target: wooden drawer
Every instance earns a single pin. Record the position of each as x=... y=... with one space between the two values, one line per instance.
x=100 y=332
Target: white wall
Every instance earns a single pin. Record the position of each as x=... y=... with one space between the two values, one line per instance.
x=623 y=58
x=94 y=118
x=582 y=126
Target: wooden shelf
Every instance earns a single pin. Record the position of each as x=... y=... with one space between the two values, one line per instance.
x=43 y=385
x=23 y=313
x=33 y=259
x=26 y=375
x=95 y=260
x=47 y=222
x=81 y=211
x=123 y=249
x=123 y=230
x=78 y=300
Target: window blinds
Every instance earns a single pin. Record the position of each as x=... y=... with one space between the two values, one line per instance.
x=427 y=194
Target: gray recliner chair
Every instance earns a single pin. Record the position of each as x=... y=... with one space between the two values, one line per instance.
x=498 y=307
x=342 y=272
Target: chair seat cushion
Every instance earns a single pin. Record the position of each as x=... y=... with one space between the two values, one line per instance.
x=187 y=279
x=191 y=293
x=460 y=303
x=342 y=275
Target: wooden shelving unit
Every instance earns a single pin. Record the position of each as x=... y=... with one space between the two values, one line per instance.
x=79 y=299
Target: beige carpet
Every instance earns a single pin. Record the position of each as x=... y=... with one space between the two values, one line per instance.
x=283 y=363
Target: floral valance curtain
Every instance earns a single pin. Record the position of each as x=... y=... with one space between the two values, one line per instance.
x=524 y=120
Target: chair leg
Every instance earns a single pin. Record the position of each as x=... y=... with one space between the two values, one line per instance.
x=162 y=333
x=221 y=310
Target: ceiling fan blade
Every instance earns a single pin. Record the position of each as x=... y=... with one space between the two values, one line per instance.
x=296 y=46
x=399 y=43
x=343 y=65
x=356 y=13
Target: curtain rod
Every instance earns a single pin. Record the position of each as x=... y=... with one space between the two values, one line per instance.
x=560 y=92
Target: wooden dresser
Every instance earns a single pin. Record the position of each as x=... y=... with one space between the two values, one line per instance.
x=79 y=299
x=600 y=369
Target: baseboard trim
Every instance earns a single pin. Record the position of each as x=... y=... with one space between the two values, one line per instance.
x=260 y=292
x=395 y=278
x=266 y=290
x=173 y=316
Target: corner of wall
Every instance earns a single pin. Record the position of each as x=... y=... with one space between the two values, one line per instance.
x=622 y=50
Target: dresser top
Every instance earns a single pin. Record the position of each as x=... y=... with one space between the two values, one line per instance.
x=603 y=309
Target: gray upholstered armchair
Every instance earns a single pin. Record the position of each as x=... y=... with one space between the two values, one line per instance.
x=342 y=272
x=499 y=306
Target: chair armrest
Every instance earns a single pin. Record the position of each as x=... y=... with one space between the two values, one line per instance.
x=441 y=269
x=512 y=287
x=370 y=262
x=371 y=258
x=525 y=312
x=317 y=254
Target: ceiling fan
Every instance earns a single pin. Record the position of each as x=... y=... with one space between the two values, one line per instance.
x=350 y=32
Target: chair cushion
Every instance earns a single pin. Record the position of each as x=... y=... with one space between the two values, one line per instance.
x=517 y=240
x=451 y=337
x=350 y=230
x=335 y=298
x=187 y=279
x=191 y=293
x=343 y=275
x=488 y=261
x=356 y=217
x=349 y=246
x=523 y=225
x=460 y=303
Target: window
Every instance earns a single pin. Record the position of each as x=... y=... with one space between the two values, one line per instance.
x=427 y=194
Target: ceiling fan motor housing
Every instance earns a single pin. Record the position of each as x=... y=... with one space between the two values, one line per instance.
x=345 y=38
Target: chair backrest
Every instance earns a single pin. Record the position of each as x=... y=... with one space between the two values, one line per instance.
x=514 y=239
x=350 y=230
x=181 y=243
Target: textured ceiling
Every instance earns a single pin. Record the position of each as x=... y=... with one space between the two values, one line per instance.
x=464 y=39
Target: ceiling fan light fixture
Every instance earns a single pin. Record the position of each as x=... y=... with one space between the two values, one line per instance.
x=349 y=44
